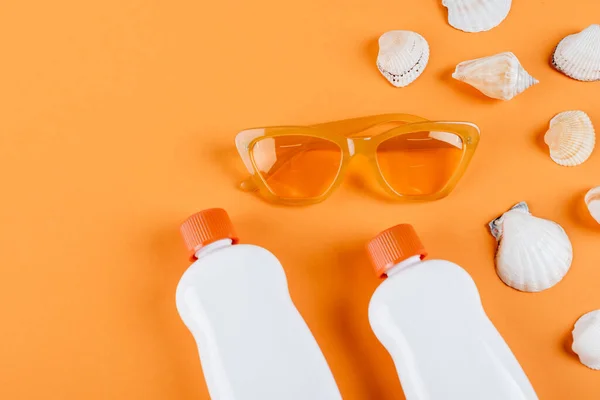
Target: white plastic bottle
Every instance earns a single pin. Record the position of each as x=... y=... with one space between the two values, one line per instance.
x=429 y=317
x=253 y=342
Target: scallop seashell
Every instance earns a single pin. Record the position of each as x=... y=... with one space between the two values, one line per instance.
x=403 y=55
x=533 y=254
x=578 y=55
x=592 y=201
x=571 y=138
x=586 y=339
x=500 y=76
x=476 y=15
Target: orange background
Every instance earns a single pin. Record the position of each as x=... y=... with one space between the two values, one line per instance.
x=117 y=121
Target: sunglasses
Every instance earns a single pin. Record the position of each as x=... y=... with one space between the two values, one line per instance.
x=413 y=158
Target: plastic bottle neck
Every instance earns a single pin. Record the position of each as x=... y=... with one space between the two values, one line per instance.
x=409 y=262
x=209 y=248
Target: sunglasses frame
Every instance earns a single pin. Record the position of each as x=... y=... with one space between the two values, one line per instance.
x=349 y=136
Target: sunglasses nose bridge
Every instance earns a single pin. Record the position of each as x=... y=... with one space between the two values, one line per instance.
x=358 y=146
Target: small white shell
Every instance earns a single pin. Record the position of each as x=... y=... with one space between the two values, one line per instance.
x=403 y=55
x=500 y=76
x=586 y=339
x=592 y=201
x=571 y=138
x=533 y=254
x=578 y=55
x=476 y=15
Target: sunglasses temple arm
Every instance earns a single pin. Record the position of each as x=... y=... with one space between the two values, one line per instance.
x=355 y=127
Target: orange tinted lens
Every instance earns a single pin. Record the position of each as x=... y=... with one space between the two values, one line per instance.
x=420 y=163
x=297 y=167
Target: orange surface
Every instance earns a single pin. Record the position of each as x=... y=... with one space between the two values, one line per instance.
x=117 y=121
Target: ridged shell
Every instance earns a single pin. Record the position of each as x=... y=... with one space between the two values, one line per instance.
x=592 y=201
x=403 y=55
x=578 y=55
x=571 y=138
x=476 y=15
x=500 y=76
x=533 y=254
x=586 y=339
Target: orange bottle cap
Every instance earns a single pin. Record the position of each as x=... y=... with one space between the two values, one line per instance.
x=207 y=227
x=393 y=246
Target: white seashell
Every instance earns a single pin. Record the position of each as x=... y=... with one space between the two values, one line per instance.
x=533 y=254
x=578 y=55
x=500 y=76
x=592 y=201
x=476 y=15
x=403 y=55
x=571 y=138
x=586 y=339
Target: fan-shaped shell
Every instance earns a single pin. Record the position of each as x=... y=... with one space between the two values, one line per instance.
x=500 y=76
x=578 y=55
x=533 y=254
x=403 y=55
x=592 y=201
x=586 y=339
x=476 y=15
x=571 y=138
